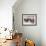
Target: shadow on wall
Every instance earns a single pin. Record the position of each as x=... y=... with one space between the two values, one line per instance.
x=27 y=7
x=17 y=4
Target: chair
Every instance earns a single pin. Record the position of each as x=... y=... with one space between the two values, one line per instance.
x=18 y=39
x=29 y=43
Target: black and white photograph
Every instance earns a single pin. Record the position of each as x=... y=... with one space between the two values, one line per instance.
x=29 y=19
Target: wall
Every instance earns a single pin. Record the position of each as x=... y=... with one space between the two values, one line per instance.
x=43 y=22
x=6 y=13
x=28 y=7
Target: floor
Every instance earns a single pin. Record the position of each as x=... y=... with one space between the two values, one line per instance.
x=9 y=43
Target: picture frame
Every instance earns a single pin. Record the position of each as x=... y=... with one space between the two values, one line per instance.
x=29 y=19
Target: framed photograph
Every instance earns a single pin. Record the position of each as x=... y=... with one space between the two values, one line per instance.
x=29 y=19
